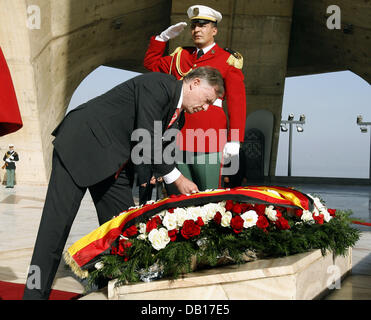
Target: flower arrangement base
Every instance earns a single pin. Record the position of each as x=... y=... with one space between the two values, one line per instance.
x=302 y=276
x=262 y=223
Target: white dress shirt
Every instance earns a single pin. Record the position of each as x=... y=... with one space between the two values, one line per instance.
x=206 y=49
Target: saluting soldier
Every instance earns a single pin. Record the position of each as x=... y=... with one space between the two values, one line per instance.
x=204 y=165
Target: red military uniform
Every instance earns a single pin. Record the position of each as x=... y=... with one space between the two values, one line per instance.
x=10 y=117
x=179 y=63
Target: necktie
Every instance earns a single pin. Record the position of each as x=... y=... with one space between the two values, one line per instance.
x=200 y=53
x=175 y=116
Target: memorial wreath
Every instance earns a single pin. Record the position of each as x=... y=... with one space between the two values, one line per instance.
x=178 y=234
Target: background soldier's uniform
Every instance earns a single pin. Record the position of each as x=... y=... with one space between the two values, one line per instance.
x=229 y=63
x=10 y=157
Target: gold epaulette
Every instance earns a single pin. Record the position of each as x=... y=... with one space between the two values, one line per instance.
x=235 y=59
x=178 y=51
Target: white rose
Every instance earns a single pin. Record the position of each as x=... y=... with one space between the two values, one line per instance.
x=326 y=216
x=207 y=213
x=142 y=231
x=181 y=216
x=226 y=219
x=209 y=210
x=142 y=227
x=170 y=221
x=193 y=213
x=159 y=238
x=249 y=218
x=142 y=236
x=99 y=265
x=222 y=204
x=307 y=216
x=271 y=214
x=221 y=207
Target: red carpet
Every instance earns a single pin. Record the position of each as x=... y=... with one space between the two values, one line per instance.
x=361 y=223
x=14 y=291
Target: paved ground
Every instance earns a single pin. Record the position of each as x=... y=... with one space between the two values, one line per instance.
x=20 y=212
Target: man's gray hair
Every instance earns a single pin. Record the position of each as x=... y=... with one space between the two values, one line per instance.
x=211 y=75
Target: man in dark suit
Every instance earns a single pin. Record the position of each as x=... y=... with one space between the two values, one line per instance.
x=93 y=149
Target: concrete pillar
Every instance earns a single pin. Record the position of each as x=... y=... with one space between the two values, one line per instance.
x=48 y=63
x=14 y=41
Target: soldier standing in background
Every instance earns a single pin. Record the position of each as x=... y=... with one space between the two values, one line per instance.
x=201 y=161
x=10 y=157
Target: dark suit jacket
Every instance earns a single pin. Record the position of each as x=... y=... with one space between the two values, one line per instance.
x=94 y=140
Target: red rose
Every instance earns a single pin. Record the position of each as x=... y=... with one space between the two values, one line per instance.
x=278 y=213
x=152 y=223
x=171 y=210
x=127 y=244
x=259 y=209
x=172 y=234
x=319 y=218
x=190 y=229
x=245 y=207
x=237 y=208
x=282 y=223
x=129 y=232
x=229 y=205
x=200 y=222
x=262 y=222
x=218 y=217
x=299 y=213
x=121 y=248
x=237 y=224
x=331 y=212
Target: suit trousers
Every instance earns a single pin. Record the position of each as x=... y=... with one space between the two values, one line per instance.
x=110 y=196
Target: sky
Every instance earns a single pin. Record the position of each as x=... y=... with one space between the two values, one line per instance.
x=331 y=144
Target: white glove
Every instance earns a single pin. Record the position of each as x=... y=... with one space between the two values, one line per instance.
x=8 y=160
x=231 y=149
x=172 y=32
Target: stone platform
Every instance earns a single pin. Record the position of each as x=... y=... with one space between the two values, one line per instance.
x=302 y=276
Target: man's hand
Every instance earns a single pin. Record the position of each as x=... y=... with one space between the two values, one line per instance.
x=231 y=149
x=172 y=32
x=153 y=180
x=185 y=186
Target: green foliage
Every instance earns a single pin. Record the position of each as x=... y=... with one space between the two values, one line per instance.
x=176 y=258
